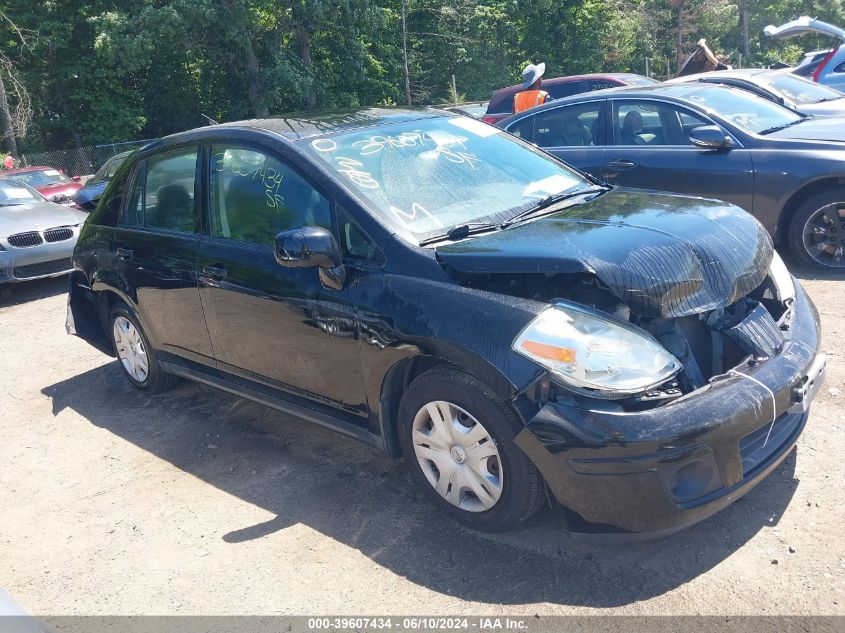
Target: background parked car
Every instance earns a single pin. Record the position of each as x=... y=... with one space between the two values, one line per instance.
x=781 y=86
x=476 y=110
x=830 y=69
x=48 y=181
x=36 y=236
x=501 y=103
x=699 y=139
x=86 y=197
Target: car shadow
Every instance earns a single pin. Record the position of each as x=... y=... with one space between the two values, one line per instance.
x=806 y=273
x=25 y=291
x=304 y=474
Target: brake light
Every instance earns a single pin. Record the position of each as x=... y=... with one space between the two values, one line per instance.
x=490 y=119
x=824 y=63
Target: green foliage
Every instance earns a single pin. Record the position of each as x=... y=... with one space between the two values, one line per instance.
x=111 y=70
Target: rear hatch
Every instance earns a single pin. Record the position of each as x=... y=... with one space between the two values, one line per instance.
x=803 y=26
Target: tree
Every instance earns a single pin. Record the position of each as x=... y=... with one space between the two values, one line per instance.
x=14 y=116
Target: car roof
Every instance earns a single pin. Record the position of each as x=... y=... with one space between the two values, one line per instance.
x=554 y=81
x=736 y=73
x=674 y=91
x=305 y=125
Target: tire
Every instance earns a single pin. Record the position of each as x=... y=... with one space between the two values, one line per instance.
x=510 y=486
x=154 y=379
x=824 y=212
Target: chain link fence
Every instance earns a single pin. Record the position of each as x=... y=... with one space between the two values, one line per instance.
x=80 y=161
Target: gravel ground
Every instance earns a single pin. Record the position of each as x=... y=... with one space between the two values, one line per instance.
x=197 y=502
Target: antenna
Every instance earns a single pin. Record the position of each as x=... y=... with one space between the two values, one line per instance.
x=209 y=119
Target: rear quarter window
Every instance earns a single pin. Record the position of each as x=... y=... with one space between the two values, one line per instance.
x=565 y=89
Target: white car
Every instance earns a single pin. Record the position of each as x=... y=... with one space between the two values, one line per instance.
x=36 y=236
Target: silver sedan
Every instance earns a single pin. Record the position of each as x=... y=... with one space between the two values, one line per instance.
x=36 y=236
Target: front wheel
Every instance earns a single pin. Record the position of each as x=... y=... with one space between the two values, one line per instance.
x=817 y=231
x=457 y=439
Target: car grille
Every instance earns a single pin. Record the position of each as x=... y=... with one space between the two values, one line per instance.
x=43 y=269
x=58 y=234
x=22 y=240
x=751 y=448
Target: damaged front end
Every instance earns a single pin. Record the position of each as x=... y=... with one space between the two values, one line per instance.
x=687 y=381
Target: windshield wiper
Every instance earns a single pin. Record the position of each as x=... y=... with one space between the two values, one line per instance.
x=778 y=128
x=550 y=201
x=461 y=231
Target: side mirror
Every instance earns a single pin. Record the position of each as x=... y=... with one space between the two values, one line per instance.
x=312 y=247
x=307 y=247
x=710 y=137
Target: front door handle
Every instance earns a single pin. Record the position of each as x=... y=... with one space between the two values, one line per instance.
x=215 y=271
x=123 y=253
x=621 y=164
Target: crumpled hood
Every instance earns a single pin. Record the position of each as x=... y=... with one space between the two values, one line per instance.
x=663 y=255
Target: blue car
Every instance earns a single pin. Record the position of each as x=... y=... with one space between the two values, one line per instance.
x=87 y=197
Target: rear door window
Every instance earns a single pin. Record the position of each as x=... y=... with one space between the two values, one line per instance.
x=254 y=196
x=578 y=125
x=169 y=191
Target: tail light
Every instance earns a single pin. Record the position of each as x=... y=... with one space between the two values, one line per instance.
x=824 y=63
x=491 y=119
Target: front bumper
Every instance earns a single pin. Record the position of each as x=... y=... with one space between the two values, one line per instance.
x=646 y=474
x=48 y=259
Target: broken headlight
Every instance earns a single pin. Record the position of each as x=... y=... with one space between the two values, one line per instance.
x=784 y=286
x=588 y=350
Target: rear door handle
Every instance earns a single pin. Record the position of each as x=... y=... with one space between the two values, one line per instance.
x=123 y=253
x=215 y=271
x=621 y=164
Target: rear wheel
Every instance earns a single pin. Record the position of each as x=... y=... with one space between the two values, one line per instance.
x=137 y=358
x=457 y=439
x=817 y=231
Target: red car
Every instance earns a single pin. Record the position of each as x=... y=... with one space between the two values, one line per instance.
x=48 y=181
x=501 y=103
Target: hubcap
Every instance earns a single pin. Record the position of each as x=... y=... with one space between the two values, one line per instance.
x=130 y=349
x=824 y=235
x=458 y=456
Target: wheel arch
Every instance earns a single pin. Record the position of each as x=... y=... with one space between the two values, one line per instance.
x=403 y=372
x=395 y=381
x=798 y=198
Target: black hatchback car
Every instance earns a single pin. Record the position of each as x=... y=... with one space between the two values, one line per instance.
x=446 y=292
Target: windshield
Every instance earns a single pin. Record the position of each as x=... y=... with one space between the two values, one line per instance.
x=639 y=80
x=41 y=177
x=432 y=174
x=745 y=110
x=798 y=89
x=13 y=193
x=107 y=171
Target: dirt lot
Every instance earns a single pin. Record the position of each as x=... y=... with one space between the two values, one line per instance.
x=197 y=502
